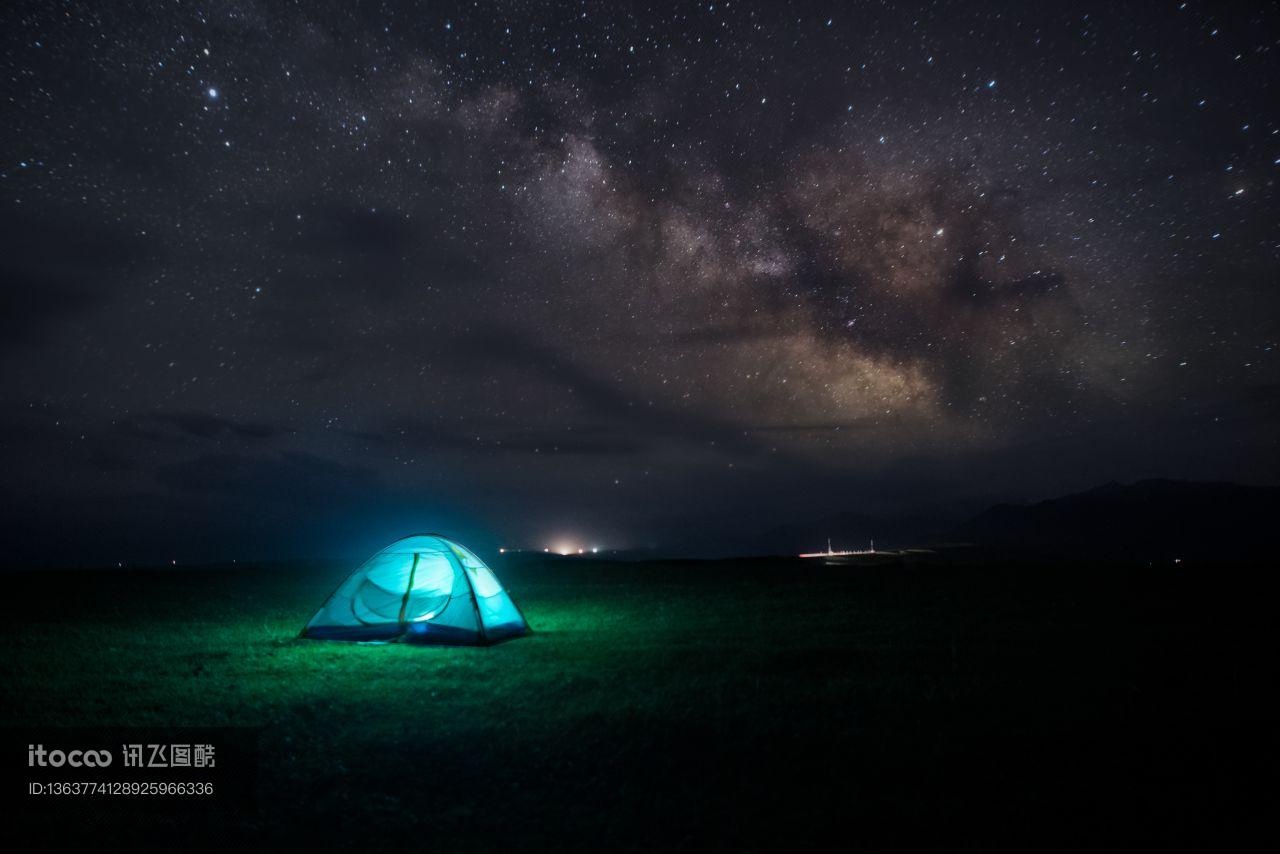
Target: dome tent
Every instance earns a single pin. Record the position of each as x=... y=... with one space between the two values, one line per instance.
x=420 y=589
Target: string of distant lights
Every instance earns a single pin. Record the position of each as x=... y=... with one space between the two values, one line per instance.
x=562 y=550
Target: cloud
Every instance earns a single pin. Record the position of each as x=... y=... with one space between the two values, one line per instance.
x=428 y=437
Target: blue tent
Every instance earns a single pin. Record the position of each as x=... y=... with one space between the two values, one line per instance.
x=421 y=589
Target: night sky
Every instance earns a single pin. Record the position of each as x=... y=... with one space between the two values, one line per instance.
x=298 y=279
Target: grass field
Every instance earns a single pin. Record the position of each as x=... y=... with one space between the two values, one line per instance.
x=762 y=705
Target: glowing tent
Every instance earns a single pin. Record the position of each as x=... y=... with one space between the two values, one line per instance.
x=421 y=589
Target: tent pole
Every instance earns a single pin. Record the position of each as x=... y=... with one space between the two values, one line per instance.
x=404 y=603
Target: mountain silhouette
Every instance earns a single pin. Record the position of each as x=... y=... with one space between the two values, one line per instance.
x=1147 y=520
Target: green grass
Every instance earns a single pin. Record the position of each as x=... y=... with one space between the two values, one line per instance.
x=750 y=706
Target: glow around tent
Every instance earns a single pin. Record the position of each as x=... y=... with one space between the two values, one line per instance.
x=421 y=589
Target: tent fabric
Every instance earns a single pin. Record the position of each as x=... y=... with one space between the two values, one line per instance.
x=421 y=589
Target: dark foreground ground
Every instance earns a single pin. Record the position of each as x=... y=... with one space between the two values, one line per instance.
x=751 y=706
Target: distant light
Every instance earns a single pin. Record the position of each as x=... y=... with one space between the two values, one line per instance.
x=502 y=551
x=991 y=84
x=546 y=550
x=594 y=550
x=579 y=551
x=213 y=93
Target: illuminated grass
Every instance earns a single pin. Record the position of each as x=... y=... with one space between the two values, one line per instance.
x=755 y=706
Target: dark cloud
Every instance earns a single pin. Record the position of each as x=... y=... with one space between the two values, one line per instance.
x=596 y=397
x=426 y=437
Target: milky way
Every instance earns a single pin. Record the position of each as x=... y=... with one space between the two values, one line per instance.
x=659 y=274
